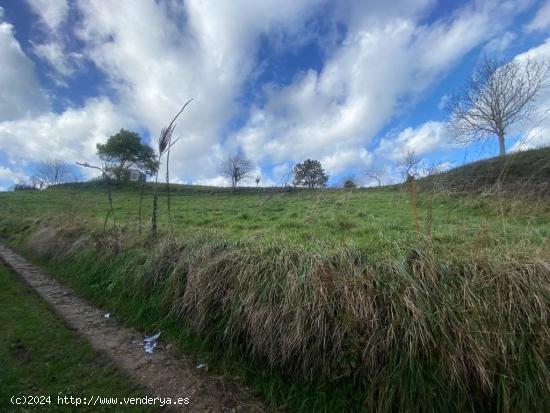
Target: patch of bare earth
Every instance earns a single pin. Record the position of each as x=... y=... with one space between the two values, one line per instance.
x=160 y=373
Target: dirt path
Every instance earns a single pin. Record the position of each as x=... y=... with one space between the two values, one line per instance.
x=160 y=373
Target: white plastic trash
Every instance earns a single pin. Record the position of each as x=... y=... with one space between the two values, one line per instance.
x=149 y=343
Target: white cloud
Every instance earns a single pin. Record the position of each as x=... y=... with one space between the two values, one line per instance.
x=541 y=51
x=7 y=174
x=423 y=139
x=536 y=131
x=541 y=21
x=20 y=93
x=156 y=55
x=535 y=138
x=51 y=12
x=70 y=136
x=498 y=45
x=54 y=53
x=385 y=61
x=216 y=181
x=52 y=48
x=443 y=102
x=339 y=161
x=201 y=49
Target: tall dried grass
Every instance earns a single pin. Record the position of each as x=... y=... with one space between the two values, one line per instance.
x=421 y=331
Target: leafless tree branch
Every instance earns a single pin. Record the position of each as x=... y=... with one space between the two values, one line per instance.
x=236 y=168
x=409 y=165
x=54 y=172
x=497 y=96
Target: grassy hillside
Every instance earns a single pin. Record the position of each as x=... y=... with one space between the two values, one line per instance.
x=373 y=219
x=526 y=172
x=324 y=300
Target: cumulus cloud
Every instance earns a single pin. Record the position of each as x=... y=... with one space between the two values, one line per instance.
x=157 y=54
x=20 y=92
x=29 y=130
x=51 y=47
x=10 y=176
x=7 y=174
x=70 y=136
x=346 y=159
x=216 y=181
x=536 y=131
x=385 y=61
x=199 y=49
x=428 y=137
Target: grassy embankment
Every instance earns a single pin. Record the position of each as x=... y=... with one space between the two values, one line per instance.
x=322 y=300
x=40 y=356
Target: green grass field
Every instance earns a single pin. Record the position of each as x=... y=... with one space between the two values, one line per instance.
x=372 y=219
x=40 y=356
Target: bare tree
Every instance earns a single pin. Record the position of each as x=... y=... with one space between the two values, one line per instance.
x=409 y=165
x=236 y=168
x=257 y=181
x=497 y=96
x=54 y=172
x=375 y=174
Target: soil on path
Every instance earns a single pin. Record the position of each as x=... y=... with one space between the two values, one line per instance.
x=162 y=374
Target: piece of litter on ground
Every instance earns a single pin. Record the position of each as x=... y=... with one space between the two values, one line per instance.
x=107 y=316
x=149 y=343
x=202 y=366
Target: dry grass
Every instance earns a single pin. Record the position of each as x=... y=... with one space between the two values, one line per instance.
x=420 y=331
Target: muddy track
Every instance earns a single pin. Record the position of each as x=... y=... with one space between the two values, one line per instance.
x=161 y=374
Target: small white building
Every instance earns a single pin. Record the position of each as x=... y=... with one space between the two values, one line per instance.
x=135 y=175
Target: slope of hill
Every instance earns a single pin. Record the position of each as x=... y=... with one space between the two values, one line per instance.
x=526 y=172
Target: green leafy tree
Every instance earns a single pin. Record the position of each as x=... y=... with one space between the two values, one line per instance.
x=123 y=151
x=348 y=183
x=310 y=174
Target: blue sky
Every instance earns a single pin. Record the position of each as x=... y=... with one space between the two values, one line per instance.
x=354 y=84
